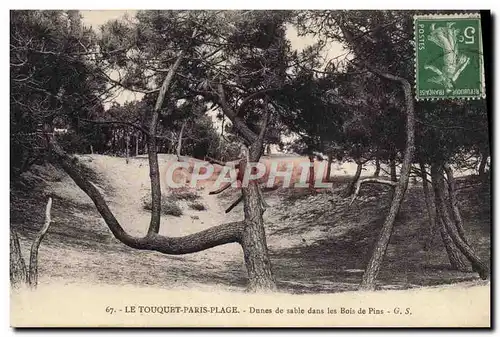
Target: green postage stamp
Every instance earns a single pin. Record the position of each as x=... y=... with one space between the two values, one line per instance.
x=449 y=57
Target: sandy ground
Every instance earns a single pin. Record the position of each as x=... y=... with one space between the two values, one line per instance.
x=317 y=243
x=318 y=246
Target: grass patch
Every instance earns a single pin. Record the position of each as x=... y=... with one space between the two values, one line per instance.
x=184 y=194
x=169 y=205
x=198 y=206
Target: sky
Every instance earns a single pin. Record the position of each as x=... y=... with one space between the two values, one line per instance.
x=95 y=18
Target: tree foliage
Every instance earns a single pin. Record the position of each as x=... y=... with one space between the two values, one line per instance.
x=208 y=82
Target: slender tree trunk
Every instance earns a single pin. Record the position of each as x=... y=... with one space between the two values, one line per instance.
x=457 y=260
x=33 y=270
x=113 y=143
x=438 y=183
x=154 y=174
x=137 y=145
x=455 y=257
x=19 y=274
x=127 y=145
x=154 y=171
x=352 y=185
x=179 y=141
x=18 y=271
x=452 y=194
x=329 y=168
x=429 y=206
x=311 y=173
x=380 y=248
x=377 y=168
x=394 y=176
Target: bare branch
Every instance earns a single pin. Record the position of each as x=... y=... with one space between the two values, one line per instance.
x=233 y=163
x=248 y=135
x=220 y=190
x=127 y=87
x=33 y=270
x=234 y=204
x=247 y=99
x=371 y=180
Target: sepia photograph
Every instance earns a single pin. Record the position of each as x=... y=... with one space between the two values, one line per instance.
x=250 y=168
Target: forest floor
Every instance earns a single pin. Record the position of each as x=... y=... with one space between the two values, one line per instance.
x=317 y=243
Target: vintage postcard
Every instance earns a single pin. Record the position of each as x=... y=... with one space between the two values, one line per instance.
x=250 y=168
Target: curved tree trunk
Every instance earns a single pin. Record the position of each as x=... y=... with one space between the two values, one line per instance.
x=377 y=168
x=455 y=257
x=33 y=270
x=211 y=237
x=249 y=233
x=452 y=194
x=380 y=248
x=352 y=185
x=438 y=183
x=457 y=260
x=429 y=206
x=457 y=217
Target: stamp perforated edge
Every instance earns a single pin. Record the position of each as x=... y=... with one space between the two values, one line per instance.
x=481 y=59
